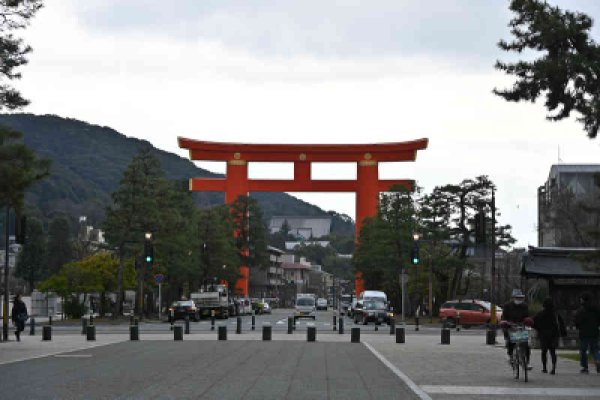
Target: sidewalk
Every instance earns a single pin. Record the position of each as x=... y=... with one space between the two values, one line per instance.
x=470 y=369
x=465 y=369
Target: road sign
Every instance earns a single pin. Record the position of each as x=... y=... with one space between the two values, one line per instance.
x=158 y=278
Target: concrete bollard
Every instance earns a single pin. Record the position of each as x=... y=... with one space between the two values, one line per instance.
x=91 y=332
x=222 y=332
x=83 y=325
x=445 y=336
x=355 y=335
x=490 y=336
x=134 y=332
x=47 y=333
x=341 y=330
x=290 y=325
x=238 y=326
x=178 y=332
x=400 y=335
x=266 y=332
x=311 y=334
x=31 y=326
x=392 y=325
x=417 y=323
x=187 y=325
x=253 y=321
x=334 y=323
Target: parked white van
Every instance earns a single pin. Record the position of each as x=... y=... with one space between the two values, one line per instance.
x=305 y=307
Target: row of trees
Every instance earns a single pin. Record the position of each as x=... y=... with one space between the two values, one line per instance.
x=191 y=246
x=445 y=219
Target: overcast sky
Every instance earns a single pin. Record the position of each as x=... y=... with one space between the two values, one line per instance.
x=308 y=72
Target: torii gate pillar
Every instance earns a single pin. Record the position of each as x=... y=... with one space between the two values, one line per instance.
x=237 y=185
x=367 y=186
x=367 y=201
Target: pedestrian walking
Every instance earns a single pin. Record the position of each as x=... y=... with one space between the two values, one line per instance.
x=550 y=327
x=587 y=321
x=19 y=316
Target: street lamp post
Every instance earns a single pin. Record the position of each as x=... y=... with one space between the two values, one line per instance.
x=149 y=258
x=493 y=277
x=5 y=302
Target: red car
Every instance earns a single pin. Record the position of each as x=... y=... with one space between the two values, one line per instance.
x=468 y=312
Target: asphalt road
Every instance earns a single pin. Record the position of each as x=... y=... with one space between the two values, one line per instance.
x=206 y=370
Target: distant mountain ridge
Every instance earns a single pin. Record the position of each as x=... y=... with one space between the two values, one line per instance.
x=89 y=161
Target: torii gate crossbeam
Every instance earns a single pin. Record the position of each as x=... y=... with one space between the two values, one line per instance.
x=367 y=186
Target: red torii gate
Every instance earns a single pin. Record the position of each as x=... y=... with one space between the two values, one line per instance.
x=367 y=186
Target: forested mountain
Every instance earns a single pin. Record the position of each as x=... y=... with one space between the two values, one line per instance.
x=88 y=162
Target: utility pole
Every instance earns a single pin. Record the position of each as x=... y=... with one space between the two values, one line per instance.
x=5 y=302
x=402 y=291
x=493 y=280
x=430 y=305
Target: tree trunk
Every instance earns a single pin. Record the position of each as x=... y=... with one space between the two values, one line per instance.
x=118 y=304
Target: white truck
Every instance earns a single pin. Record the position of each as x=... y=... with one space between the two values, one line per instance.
x=212 y=298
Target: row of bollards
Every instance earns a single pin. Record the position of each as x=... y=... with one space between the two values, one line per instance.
x=90 y=330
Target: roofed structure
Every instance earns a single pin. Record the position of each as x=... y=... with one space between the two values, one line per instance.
x=568 y=272
x=306 y=227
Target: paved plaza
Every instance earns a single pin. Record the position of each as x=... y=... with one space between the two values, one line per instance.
x=288 y=367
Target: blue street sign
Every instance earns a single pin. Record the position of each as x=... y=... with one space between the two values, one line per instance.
x=158 y=278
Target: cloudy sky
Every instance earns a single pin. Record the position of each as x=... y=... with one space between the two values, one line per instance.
x=308 y=71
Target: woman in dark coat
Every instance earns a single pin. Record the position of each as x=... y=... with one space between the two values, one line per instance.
x=19 y=316
x=550 y=327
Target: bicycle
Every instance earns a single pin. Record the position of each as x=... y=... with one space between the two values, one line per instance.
x=519 y=335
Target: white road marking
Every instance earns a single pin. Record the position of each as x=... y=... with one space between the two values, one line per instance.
x=281 y=321
x=413 y=386
x=73 y=355
x=504 y=391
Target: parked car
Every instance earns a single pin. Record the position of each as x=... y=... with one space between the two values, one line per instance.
x=181 y=309
x=305 y=308
x=371 y=311
x=266 y=309
x=321 y=304
x=345 y=303
x=243 y=305
x=273 y=302
x=233 y=308
x=352 y=307
x=260 y=306
x=467 y=312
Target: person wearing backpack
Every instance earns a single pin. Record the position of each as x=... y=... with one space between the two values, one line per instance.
x=550 y=327
x=19 y=316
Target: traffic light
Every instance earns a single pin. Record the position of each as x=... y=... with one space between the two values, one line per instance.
x=414 y=254
x=148 y=252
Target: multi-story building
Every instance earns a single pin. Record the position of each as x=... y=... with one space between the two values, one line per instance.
x=267 y=281
x=303 y=228
x=561 y=222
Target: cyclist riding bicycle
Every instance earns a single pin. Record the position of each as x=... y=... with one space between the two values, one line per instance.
x=515 y=312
